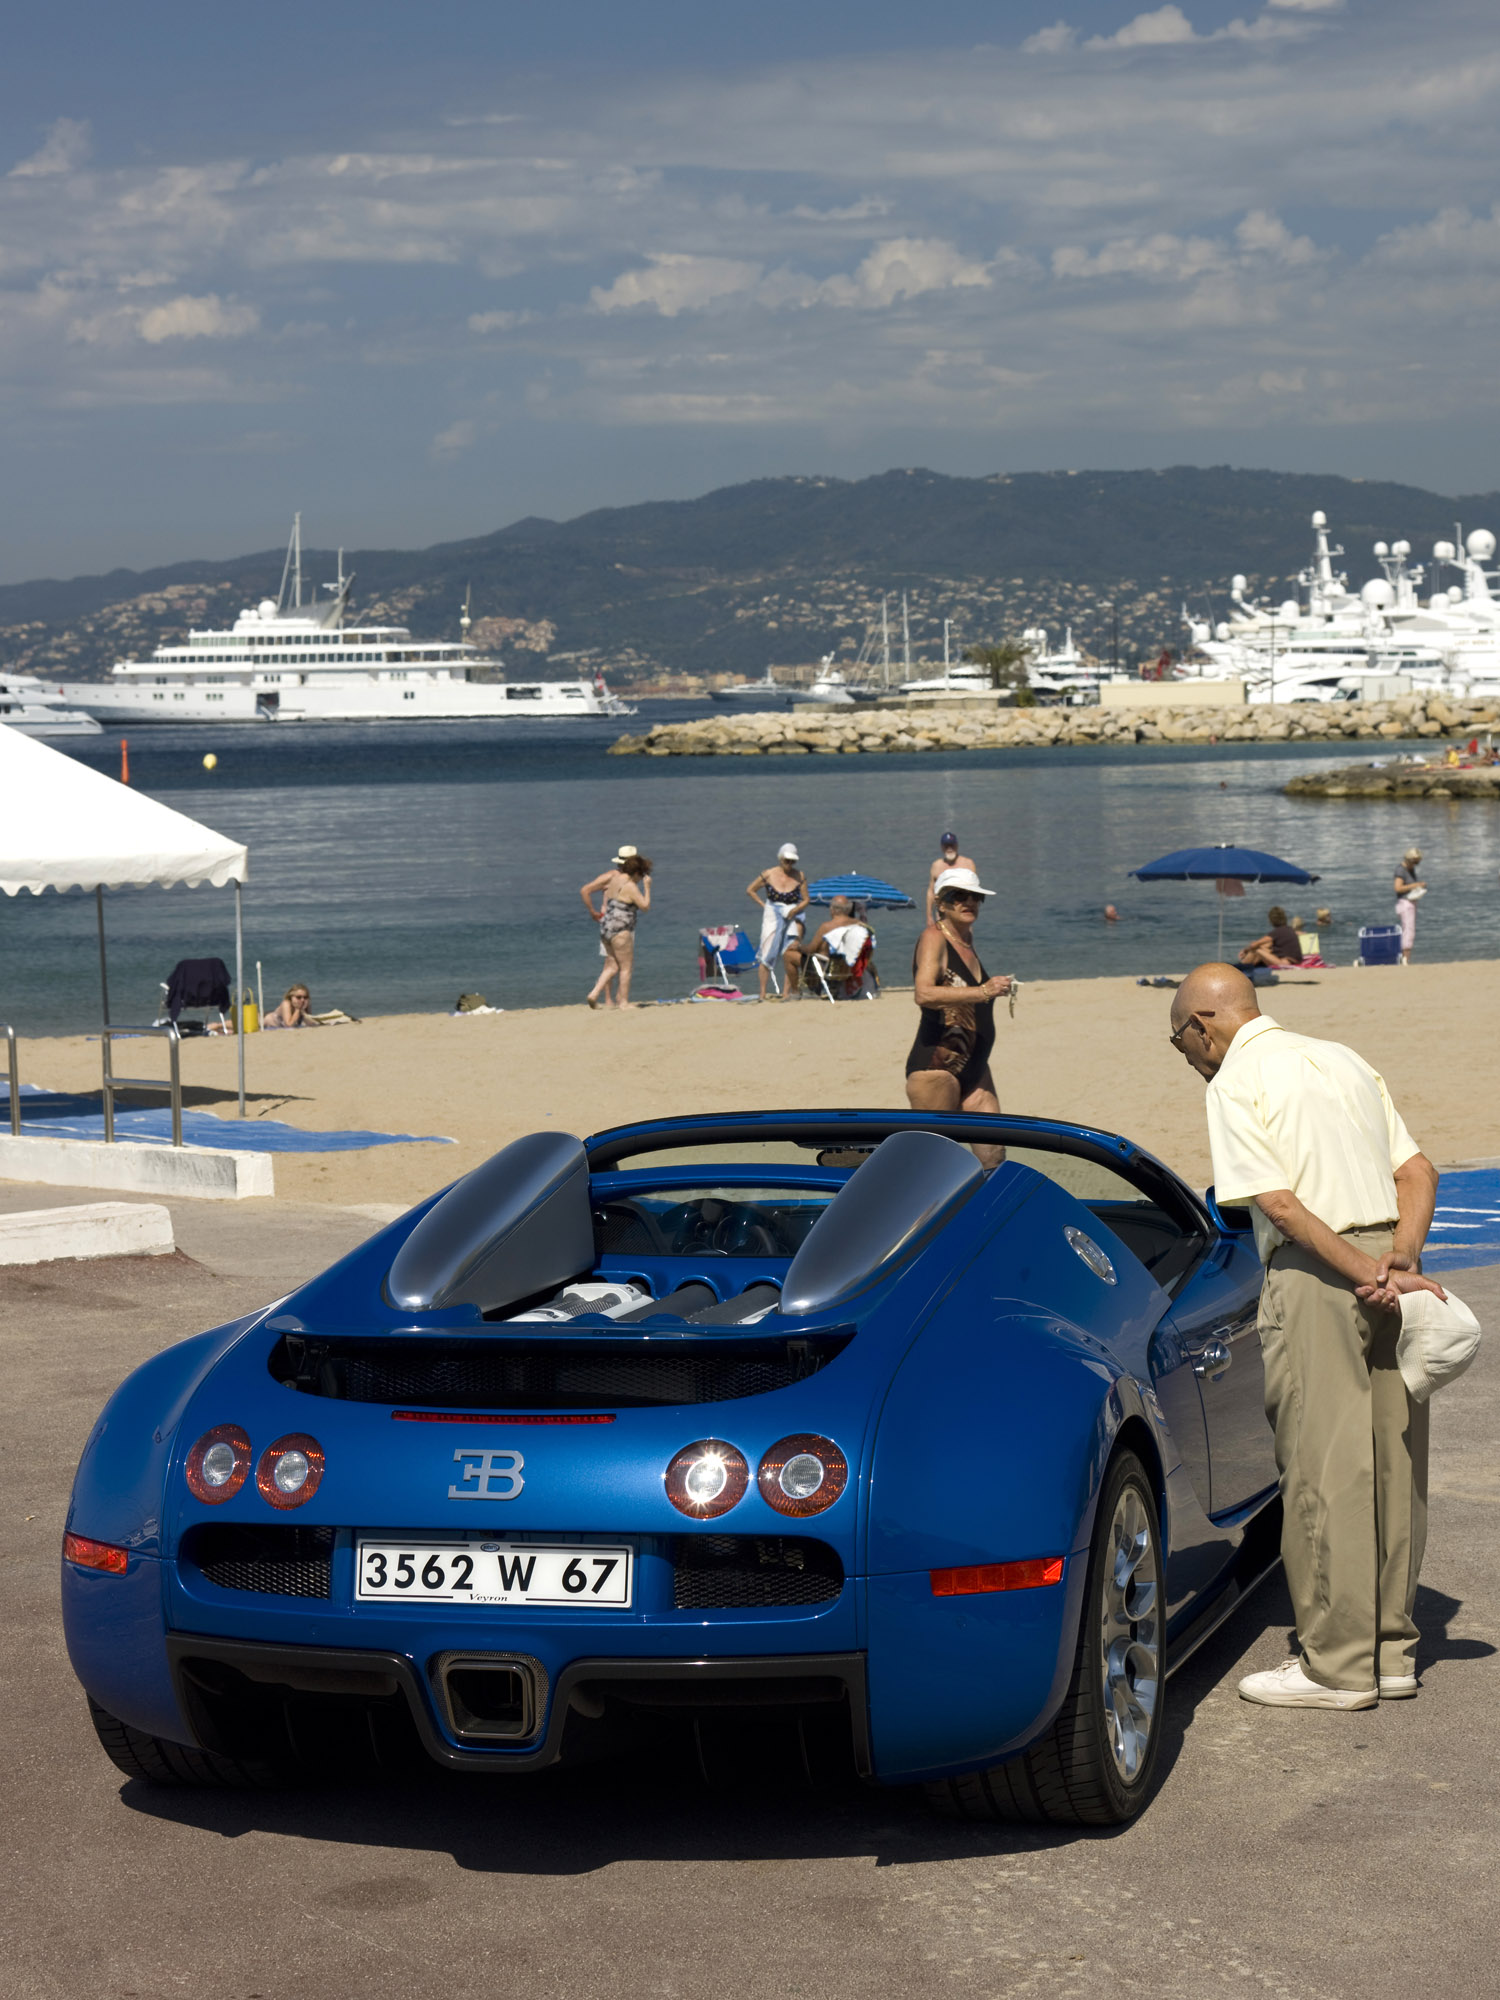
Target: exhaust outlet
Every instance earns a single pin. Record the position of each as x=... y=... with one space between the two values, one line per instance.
x=491 y=1697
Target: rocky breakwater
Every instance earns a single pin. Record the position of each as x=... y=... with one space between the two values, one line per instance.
x=888 y=731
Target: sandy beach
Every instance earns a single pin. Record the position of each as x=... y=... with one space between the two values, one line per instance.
x=1092 y=1050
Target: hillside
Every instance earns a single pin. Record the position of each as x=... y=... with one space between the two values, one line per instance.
x=785 y=569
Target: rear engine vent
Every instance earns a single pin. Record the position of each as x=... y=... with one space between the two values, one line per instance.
x=739 y=1572
x=559 y=1374
x=280 y=1561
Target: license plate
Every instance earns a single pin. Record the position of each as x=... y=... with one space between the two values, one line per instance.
x=493 y=1573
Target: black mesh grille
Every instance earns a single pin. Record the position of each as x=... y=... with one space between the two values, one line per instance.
x=734 y=1572
x=282 y=1561
x=564 y=1373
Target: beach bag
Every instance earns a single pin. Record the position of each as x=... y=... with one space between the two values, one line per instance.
x=1438 y=1341
x=469 y=1003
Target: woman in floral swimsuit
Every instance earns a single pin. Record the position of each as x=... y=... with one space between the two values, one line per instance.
x=625 y=890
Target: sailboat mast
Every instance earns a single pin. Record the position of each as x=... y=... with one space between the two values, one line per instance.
x=297 y=550
x=885 y=641
x=905 y=638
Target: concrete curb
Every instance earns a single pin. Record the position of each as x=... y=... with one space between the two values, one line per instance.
x=97 y=1229
x=196 y=1171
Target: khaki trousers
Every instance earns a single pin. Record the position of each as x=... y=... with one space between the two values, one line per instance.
x=1351 y=1447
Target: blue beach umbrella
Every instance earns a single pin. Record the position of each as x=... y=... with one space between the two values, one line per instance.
x=860 y=889
x=1223 y=863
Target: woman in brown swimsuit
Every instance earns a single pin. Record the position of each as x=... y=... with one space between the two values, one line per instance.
x=948 y=1068
x=625 y=890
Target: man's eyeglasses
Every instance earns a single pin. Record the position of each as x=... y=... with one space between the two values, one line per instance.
x=1175 y=1038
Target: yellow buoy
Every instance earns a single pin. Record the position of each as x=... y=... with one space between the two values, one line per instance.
x=210 y=762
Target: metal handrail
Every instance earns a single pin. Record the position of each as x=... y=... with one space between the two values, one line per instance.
x=15 y=1082
x=112 y=1083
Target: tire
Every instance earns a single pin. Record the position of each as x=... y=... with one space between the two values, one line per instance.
x=1096 y=1764
x=156 y=1761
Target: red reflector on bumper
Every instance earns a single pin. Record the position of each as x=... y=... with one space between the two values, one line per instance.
x=1030 y=1575
x=94 y=1555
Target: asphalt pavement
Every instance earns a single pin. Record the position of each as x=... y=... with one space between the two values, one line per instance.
x=1309 y=1855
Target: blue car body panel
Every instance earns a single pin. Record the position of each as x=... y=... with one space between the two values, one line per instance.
x=977 y=1387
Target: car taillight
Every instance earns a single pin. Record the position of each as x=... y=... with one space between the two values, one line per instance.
x=94 y=1555
x=217 y=1464
x=707 y=1478
x=289 y=1470
x=803 y=1474
x=1033 y=1574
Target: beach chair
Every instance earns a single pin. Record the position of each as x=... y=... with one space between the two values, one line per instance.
x=845 y=968
x=197 y=983
x=724 y=949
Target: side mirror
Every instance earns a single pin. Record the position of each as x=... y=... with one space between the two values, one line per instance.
x=1233 y=1220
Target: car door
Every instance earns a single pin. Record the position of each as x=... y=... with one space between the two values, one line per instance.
x=1214 y=1316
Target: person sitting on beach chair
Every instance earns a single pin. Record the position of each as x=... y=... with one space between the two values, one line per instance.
x=839 y=955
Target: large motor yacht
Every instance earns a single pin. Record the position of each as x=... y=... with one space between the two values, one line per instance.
x=284 y=660
x=1344 y=644
x=36 y=710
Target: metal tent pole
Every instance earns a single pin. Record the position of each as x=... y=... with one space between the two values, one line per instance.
x=239 y=988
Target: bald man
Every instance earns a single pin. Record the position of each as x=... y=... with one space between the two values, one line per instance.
x=1305 y=1132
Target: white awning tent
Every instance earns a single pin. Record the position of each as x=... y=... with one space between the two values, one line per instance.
x=65 y=826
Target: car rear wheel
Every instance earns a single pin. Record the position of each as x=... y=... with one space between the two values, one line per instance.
x=1095 y=1765
x=159 y=1762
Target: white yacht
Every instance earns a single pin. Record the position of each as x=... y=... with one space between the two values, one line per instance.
x=832 y=689
x=1344 y=645
x=36 y=710
x=286 y=661
x=767 y=692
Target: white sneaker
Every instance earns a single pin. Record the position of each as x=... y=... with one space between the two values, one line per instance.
x=1398 y=1687
x=1287 y=1686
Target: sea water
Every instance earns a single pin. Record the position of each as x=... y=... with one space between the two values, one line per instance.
x=395 y=866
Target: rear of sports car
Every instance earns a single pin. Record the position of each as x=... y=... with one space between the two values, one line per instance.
x=394 y=1515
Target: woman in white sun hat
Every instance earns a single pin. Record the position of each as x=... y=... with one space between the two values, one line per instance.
x=625 y=890
x=781 y=893
x=948 y=1068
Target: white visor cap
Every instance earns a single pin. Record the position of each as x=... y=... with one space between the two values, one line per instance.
x=958 y=878
x=787 y=852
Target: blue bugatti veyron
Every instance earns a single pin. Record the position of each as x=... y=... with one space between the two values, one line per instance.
x=938 y=1437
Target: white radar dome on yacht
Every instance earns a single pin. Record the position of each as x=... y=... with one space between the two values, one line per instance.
x=1377 y=593
x=1455 y=595
x=1442 y=551
x=1320 y=519
x=1238 y=585
x=1401 y=548
x=267 y=607
x=1381 y=549
x=1221 y=631
x=1290 y=609
x=1481 y=545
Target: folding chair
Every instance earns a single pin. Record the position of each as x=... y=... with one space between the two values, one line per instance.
x=195 y=982
x=841 y=976
x=724 y=949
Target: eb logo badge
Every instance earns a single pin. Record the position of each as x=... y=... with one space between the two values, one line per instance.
x=487 y=1475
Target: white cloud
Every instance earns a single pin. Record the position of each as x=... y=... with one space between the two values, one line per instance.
x=496 y=322
x=1308 y=6
x=185 y=318
x=208 y=318
x=65 y=150
x=1158 y=29
x=675 y=282
x=455 y=440
x=1053 y=41
x=903 y=268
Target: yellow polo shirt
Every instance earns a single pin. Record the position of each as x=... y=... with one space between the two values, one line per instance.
x=1288 y=1111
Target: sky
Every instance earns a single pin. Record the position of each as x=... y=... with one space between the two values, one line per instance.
x=421 y=271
